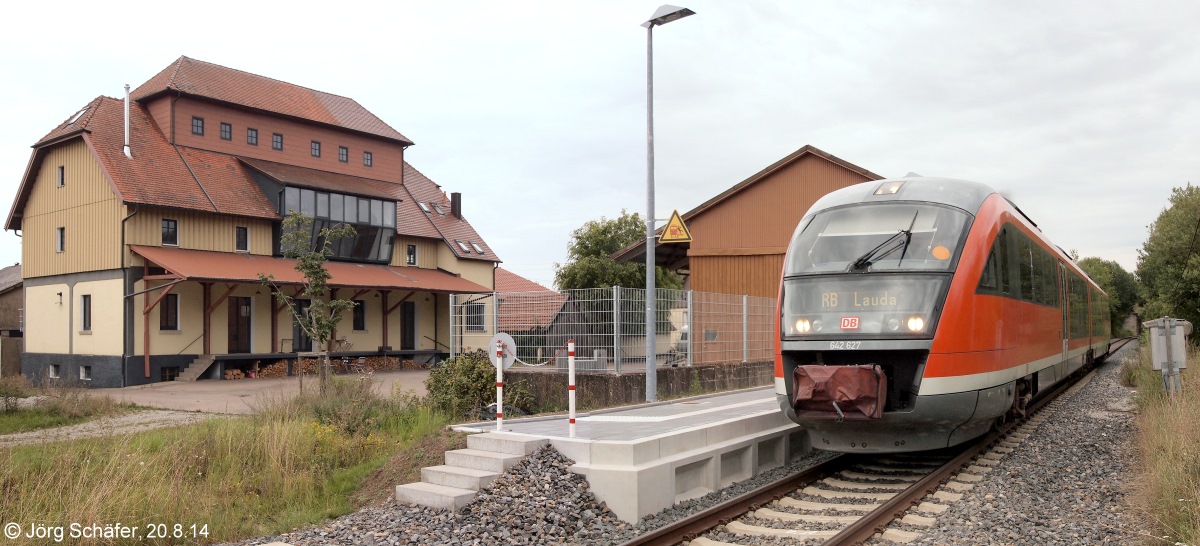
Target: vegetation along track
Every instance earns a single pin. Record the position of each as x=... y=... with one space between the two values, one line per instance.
x=854 y=497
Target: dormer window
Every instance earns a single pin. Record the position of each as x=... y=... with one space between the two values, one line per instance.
x=374 y=221
x=197 y=126
x=77 y=115
x=476 y=247
x=463 y=246
x=423 y=206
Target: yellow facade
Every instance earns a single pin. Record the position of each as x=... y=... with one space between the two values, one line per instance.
x=47 y=318
x=196 y=231
x=84 y=205
x=427 y=256
x=105 y=336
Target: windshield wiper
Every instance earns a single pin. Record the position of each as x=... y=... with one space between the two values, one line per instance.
x=865 y=261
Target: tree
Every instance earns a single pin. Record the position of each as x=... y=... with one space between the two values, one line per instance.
x=589 y=264
x=1169 y=260
x=1120 y=285
x=321 y=316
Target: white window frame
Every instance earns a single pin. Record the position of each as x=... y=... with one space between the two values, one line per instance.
x=473 y=319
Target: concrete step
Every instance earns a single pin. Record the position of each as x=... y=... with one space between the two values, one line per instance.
x=456 y=476
x=482 y=460
x=501 y=442
x=432 y=495
x=196 y=368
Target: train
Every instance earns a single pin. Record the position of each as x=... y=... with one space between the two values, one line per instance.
x=918 y=313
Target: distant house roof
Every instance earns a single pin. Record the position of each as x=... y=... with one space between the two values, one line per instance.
x=10 y=278
x=451 y=229
x=674 y=252
x=215 y=82
x=525 y=305
x=182 y=178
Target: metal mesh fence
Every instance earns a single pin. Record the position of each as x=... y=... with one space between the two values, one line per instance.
x=608 y=326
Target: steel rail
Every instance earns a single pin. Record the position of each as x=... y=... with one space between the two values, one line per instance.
x=692 y=526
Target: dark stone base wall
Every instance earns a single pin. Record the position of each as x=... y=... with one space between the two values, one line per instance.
x=135 y=367
x=106 y=370
x=602 y=390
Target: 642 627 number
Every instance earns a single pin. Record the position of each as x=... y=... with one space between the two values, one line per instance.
x=844 y=345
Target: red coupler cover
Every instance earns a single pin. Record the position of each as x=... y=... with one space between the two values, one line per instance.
x=859 y=391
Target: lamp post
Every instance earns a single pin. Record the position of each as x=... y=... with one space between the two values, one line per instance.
x=663 y=15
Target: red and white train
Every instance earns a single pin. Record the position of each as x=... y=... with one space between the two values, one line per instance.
x=916 y=313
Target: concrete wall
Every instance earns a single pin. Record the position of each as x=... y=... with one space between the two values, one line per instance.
x=602 y=390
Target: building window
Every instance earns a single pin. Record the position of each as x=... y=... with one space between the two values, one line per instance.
x=226 y=131
x=168 y=313
x=360 y=315
x=85 y=309
x=197 y=126
x=170 y=232
x=367 y=158
x=61 y=180
x=60 y=239
x=241 y=239
x=316 y=149
x=85 y=373
x=476 y=247
x=277 y=141
x=412 y=254
x=474 y=317
x=252 y=137
x=54 y=371
x=343 y=154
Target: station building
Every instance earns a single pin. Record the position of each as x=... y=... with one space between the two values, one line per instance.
x=146 y=223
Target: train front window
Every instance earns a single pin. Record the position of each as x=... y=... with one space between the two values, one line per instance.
x=878 y=237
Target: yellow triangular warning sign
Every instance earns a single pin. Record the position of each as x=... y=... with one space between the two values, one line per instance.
x=676 y=231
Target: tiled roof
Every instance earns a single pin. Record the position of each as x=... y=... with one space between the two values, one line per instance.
x=524 y=304
x=216 y=82
x=10 y=277
x=324 y=180
x=241 y=267
x=158 y=174
x=507 y=281
x=451 y=229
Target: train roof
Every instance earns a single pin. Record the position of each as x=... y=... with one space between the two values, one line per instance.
x=963 y=194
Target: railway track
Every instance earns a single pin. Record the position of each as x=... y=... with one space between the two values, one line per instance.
x=854 y=498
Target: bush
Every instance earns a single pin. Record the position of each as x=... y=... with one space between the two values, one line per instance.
x=460 y=386
x=13 y=389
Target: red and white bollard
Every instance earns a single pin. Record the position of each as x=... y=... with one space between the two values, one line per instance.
x=499 y=385
x=571 y=385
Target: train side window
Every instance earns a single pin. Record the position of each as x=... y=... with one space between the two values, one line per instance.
x=987 y=281
x=1000 y=250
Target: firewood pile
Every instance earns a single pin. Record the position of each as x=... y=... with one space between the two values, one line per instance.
x=234 y=374
x=274 y=369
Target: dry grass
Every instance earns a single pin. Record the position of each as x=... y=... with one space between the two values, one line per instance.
x=294 y=463
x=1168 y=489
x=58 y=403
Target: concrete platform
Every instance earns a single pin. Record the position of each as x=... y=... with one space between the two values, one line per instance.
x=642 y=459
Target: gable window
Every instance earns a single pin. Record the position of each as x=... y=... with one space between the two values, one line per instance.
x=276 y=141
x=85 y=310
x=60 y=239
x=170 y=232
x=168 y=313
x=316 y=149
x=360 y=315
x=412 y=254
x=226 y=131
x=197 y=126
x=343 y=154
x=252 y=137
x=241 y=239
x=474 y=317
x=61 y=179
x=367 y=158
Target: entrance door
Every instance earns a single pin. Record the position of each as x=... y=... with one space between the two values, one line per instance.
x=408 y=326
x=239 y=325
x=300 y=340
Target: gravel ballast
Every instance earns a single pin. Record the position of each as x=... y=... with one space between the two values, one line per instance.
x=1066 y=484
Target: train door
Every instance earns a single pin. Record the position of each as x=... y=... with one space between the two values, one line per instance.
x=1064 y=301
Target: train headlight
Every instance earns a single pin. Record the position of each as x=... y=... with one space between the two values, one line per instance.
x=803 y=326
x=916 y=324
x=893 y=324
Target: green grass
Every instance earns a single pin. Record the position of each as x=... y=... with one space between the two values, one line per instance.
x=1168 y=484
x=295 y=462
x=25 y=420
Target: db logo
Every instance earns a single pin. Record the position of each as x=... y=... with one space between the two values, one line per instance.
x=849 y=323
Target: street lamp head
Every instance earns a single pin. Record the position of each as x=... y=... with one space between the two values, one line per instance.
x=667 y=13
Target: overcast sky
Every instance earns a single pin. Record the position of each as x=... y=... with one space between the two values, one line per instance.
x=1084 y=112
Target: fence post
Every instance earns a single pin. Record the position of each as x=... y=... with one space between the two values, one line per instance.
x=616 y=298
x=495 y=313
x=691 y=329
x=745 y=328
x=451 y=313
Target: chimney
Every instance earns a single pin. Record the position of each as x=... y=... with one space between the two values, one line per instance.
x=126 y=149
x=456 y=205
